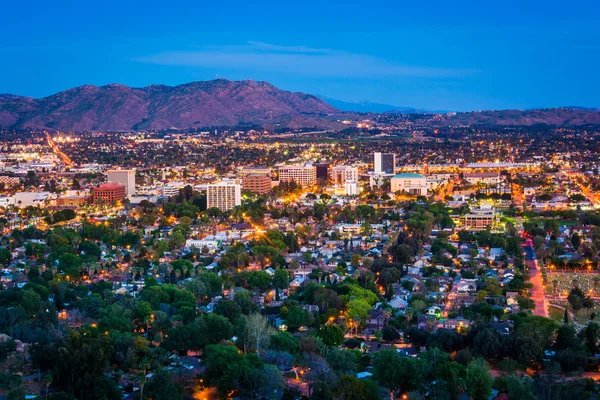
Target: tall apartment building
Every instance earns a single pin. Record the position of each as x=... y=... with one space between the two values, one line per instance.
x=304 y=175
x=385 y=163
x=125 y=177
x=344 y=173
x=257 y=183
x=108 y=192
x=223 y=195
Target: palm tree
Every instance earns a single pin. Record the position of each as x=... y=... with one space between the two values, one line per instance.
x=588 y=304
x=142 y=378
x=47 y=383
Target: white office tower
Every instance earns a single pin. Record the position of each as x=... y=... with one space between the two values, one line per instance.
x=351 y=188
x=344 y=173
x=125 y=177
x=303 y=175
x=385 y=163
x=224 y=195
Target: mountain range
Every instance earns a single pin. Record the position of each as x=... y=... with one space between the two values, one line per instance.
x=370 y=107
x=193 y=105
x=564 y=116
x=222 y=102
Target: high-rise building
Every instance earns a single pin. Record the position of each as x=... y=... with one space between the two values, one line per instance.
x=385 y=163
x=322 y=170
x=304 y=175
x=125 y=177
x=223 y=195
x=344 y=173
x=108 y=192
x=257 y=183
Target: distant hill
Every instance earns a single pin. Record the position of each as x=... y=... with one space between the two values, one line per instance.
x=549 y=116
x=194 y=105
x=367 y=106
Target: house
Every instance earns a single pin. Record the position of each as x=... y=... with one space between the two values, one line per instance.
x=397 y=302
x=511 y=298
x=408 y=351
x=434 y=310
x=455 y=323
x=467 y=286
x=376 y=320
x=502 y=328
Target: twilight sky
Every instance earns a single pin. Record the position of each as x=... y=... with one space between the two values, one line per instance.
x=451 y=55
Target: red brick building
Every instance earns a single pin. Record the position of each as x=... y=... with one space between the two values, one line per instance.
x=108 y=192
x=257 y=183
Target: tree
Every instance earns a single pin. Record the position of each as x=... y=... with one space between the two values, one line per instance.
x=161 y=386
x=389 y=333
x=566 y=338
x=453 y=375
x=351 y=388
x=224 y=367
x=395 y=373
x=259 y=331
x=520 y=388
x=478 y=379
x=284 y=341
x=332 y=335
x=575 y=299
x=281 y=279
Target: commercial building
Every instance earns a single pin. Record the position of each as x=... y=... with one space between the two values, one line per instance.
x=409 y=183
x=480 y=218
x=257 y=183
x=304 y=175
x=322 y=170
x=125 y=177
x=483 y=178
x=224 y=195
x=351 y=188
x=9 y=181
x=255 y=170
x=344 y=173
x=385 y=163
x=109 y=192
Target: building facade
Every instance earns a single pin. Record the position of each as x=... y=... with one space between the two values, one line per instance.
x=304 y=175
x=109 y=192
x=125 y=177
x=344 y=173
x=384 y=163
x=410 y=183
x=257 y=183
x=223 y=195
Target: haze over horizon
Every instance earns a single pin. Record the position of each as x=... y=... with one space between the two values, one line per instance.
x=464 y=56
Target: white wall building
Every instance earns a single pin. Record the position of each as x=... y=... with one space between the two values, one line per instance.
x=409 y=183
x=124 y=177
x=224 y=195
x=344 y=173
x=304 y=175
x=351 y=188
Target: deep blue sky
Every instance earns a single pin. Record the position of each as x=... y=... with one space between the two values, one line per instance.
x=453 y=55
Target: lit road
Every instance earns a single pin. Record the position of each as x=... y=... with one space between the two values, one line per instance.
x=58 y=152
x=537 y=292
